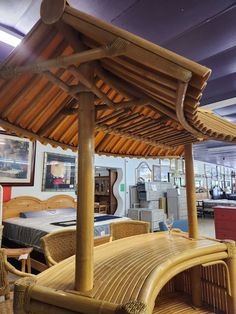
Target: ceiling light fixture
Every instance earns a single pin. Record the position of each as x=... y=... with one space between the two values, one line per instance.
x=9 y=37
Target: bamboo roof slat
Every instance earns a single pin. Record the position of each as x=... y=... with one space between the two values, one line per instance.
x=129 y=73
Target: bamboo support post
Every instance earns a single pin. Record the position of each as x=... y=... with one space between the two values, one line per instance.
x=84 y=246
x=190 y=190
x=192 y=220
x=231 y=262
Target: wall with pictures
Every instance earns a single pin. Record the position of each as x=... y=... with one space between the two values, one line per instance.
x=36 y=189
x=128 y=172
x=126 y=169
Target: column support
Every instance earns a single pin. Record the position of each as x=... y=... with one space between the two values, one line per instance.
x=231 y=262
x=85 y=205
x=195 y=274
x=190 y=192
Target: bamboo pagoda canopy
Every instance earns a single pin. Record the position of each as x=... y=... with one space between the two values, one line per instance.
x=146 y=97
x=139 y=100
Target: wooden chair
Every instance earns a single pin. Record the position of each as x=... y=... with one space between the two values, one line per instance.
x=60 y=245
x=124 y=229
x=6 y=267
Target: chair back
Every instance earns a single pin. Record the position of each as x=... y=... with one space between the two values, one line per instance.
x=163 y=226
x=58 y=246
x=124 y=229
x=181 y=224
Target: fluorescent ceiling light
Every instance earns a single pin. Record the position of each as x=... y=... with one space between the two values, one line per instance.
x=9 y=38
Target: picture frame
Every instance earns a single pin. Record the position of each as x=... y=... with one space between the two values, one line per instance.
x=59 y=172
x=156 y=173
x=165 y=173
x=17 y=160
x=143 y=172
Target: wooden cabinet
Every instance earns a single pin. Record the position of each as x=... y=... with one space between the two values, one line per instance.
x=225 y=222
x=102 y=186
x=104 y=191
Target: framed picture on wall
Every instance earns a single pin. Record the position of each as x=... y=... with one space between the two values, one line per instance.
x=156 y=172
x=59 y=172
x=17 y=158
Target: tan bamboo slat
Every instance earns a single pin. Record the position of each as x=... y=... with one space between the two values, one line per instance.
x=137 y=255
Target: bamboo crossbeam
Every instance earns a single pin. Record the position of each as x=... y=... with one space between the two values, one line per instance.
x=77 y=73
x=57 y=81
x=117 y=47
x=111 y=130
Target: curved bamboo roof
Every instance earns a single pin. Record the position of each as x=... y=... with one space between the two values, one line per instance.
x=146 y=97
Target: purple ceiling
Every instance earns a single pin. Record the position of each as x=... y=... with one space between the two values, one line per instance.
x=202 y=30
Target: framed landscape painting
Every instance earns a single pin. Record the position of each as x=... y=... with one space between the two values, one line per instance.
x=17 y=157
x=59 y=172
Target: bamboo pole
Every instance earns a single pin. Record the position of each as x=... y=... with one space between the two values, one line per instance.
x=190 y=190
x=231 y=262
x=117 y=47
x=192 y=220
x=85 y=224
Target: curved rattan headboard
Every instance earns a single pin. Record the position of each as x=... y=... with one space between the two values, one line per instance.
x=19 y=204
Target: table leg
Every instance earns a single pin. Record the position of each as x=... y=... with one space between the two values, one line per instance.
x=29 y=265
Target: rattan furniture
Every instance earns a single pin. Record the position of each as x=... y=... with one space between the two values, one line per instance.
x=128 y=228
x=130 y=98
x=6 y=267
x=134 y=274
x=22 y=254
x=60 y=245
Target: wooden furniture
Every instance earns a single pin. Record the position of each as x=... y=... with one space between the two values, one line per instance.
x=20 y=204
x=60 y=245
x=21 y=254
x=124 y=229
x=133 y=275
x=152 y=216
x=177 y=203
x=225 y=222
x=104 y=192
x=6 y=267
